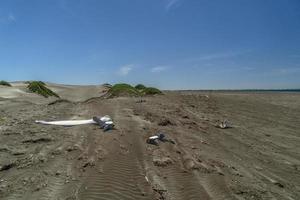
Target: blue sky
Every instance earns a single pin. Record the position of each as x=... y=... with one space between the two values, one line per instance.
x=171 y=44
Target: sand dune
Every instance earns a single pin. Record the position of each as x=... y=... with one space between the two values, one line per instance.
x=74 y=93
x=9 y=92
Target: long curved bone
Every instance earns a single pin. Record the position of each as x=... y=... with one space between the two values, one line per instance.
x=106 y=120
x=67 y=122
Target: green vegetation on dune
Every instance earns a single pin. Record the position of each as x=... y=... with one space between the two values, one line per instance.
x=151 y=91
x=40 y=82
x=140 y=87
x=107 y=85
x=123 y=89
x=5 y=83
x=40 y=88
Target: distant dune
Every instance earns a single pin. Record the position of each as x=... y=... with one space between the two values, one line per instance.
x=73 y=93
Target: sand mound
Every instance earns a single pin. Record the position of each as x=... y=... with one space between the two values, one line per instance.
x=123 y=89
x=10 y=92
x=72 y=93
x=40 y=88
x=5 y=83
x=126 y=90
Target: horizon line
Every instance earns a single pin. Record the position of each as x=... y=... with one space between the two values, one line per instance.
x=186 y=89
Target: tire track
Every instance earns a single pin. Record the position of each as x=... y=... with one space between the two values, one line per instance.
x=183 y=185
x=122 y=175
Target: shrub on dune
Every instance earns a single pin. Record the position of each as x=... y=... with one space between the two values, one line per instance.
x=40 y=88
x=40 y=82
x=107 y=85
x=140 y=87
x=151 y=91
x=123 y=89
x=5 y=83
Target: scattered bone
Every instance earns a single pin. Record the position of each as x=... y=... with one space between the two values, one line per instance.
x=90 y=162
x=223 y=125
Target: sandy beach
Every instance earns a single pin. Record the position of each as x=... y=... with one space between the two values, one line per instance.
x=258 y=157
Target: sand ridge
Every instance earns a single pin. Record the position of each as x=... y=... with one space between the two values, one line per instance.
x=73 y=93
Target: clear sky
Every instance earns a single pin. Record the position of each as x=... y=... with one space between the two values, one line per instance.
x=171 y=44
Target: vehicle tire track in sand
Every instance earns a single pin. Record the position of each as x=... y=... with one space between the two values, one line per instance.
x=119 y=180
x=183 y=182
x=61 y=166
x=121 y=175
x=183 y=185
x=216 y=187
x=180 y=183
x=183 y=178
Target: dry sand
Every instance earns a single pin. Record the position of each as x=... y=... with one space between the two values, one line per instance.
x=258 y=158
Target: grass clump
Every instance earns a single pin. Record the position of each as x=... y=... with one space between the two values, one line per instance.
x=5 y=83
x=151 y=91
x=140 y=87
x=40 y=82
x=107 y=85
x=123 y=89
x=40 y=88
